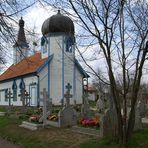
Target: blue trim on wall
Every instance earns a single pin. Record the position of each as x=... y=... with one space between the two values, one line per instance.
x=38 y=93
x=44 y=65
x=49 y=69
x=63 y=71
x=74 y=76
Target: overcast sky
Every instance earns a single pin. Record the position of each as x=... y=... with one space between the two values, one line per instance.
x=37 y=14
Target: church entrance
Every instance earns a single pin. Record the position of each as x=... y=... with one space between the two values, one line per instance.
x=33 y=94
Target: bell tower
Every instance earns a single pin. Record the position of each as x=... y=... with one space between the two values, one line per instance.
x=20 y=48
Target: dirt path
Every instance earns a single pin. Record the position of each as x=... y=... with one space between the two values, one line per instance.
x=7 y=144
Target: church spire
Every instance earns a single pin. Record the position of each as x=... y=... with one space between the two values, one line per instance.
x=21 y=38
x=21 y=48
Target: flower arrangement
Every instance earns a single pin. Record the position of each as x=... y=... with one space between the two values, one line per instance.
x=52 y=117
x=34 y=118
x=89 y=122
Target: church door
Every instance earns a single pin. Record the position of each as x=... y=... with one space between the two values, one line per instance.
x=33 y=93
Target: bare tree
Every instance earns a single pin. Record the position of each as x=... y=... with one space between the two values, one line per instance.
x=120 y=30
x=9 y=11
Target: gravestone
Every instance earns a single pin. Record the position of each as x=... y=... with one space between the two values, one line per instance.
x=85 y=109
x=67 y=116
x=138 y=118
x=46 y=112
x=108 y=123
x=100 y=105
x=141 y=106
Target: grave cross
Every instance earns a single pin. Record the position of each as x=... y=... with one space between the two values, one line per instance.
x=68 y=95
x=68 y=87
x=44 y=100
x=27 y=97
x=22 y=96
x=9 y=97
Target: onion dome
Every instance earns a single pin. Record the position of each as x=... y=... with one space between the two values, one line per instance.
x=58 y=23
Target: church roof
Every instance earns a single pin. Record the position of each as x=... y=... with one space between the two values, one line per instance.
x=58 y=23
x=30 y=65
x=26 y=66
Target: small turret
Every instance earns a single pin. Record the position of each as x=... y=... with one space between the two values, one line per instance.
x=21 y=46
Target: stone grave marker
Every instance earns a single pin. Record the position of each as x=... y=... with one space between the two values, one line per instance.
x=108 y=125
x=85 y=109
x=67 y=116
x=138 y=118
x=141 y=106
x=46 y=112
x=100 y=105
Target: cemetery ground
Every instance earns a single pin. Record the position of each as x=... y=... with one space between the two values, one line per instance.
x=53 y=137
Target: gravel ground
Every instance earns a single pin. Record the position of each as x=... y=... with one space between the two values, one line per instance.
x=7 y=144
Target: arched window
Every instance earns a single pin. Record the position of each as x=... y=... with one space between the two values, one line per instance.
x=69 y=40
x=44 y=43
x=22 y=84
x=14 y=88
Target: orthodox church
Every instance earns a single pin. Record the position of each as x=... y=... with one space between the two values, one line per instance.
x=52 y=68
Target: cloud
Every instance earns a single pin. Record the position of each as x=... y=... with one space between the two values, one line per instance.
x=35 y=17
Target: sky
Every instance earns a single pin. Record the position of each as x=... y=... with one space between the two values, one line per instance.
x=37 y=14
x=34 y=18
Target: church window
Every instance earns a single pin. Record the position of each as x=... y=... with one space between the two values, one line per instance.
x=44 y=48
x=69 y=42
x=44 y=43
x=22 y=84
x=14 y=88
x=6 y=98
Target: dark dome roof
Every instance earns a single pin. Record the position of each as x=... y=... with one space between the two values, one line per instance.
x=58 y=23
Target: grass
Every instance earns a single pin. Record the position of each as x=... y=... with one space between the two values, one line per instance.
x=3 y=109
x=61 y=138
x=92 y=103
x=139 y=139
x=44 y=138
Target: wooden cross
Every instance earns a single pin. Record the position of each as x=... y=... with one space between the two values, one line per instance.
x=68 y=95
x=22 y=96
x=9 y=97
x=27 y=97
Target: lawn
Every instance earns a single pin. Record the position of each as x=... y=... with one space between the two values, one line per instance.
x=139 y=140
x=44 y=138
x=61 y=138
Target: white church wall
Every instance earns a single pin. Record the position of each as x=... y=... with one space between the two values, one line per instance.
x=56 y=70
x=8 y=85
x=4 y=86
x=43 y=80
x=69 y=73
